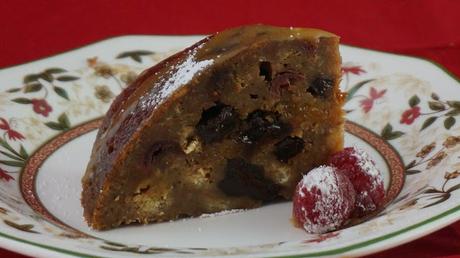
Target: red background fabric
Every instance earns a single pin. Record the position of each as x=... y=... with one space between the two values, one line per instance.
x=30 y=30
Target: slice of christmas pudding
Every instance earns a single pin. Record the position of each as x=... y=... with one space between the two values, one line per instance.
x=229 y=123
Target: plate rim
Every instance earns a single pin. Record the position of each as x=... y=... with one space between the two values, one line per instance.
x=445 y=218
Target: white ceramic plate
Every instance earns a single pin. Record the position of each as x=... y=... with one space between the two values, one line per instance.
x=400 y=109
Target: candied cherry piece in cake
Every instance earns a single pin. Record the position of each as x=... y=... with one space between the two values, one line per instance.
x=365 y=177
x=324 y=200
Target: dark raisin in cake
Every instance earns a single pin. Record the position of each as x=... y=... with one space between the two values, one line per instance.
x=230 y=122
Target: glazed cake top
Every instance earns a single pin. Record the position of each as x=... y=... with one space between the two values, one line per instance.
x=168 y=76
x=168 y=79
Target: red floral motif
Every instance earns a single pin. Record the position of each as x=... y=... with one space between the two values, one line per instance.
x=41 y=107
x=368 y=102
x=5 y=176
x=409 y=116
x=357 y=70
x=12 y=134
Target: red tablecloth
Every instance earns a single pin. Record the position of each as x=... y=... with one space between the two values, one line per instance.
x=34 y=29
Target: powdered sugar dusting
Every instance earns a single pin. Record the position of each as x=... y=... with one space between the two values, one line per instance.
x=221 y=213
x=177 y=76
x=368 y=166
x=184 y=72
x=321 y=178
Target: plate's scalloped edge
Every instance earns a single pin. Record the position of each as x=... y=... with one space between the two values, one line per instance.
x=440 y=66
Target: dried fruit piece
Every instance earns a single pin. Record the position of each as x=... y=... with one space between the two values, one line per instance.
x=367 y=180
x=260 y=124
x=266 y=70
x=245 y=179
x=321 y=87
x=288 y=148
x=282 y=81
x=324 y=200
x=216 y=122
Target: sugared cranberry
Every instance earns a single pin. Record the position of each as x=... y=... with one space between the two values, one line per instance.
x=324 y=200
x=365 y=177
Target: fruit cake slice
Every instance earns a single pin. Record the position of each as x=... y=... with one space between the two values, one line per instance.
x=230 y=122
